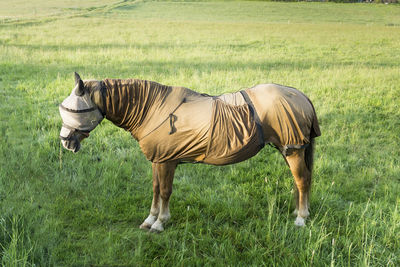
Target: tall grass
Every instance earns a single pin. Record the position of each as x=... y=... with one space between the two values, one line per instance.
x=58 y=208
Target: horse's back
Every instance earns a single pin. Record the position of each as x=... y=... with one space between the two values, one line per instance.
x=233 y=99
x=287 y=115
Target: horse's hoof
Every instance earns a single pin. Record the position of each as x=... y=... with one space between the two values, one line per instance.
x=299 y=222
x=157 y=227
x=145 y=226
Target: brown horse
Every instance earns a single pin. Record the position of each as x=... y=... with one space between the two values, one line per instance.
x=175 y=125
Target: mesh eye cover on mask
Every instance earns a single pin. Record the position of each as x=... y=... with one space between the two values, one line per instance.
x=79 y=112
x=82 y=121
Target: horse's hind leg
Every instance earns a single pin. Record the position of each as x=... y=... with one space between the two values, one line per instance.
x=302 y=179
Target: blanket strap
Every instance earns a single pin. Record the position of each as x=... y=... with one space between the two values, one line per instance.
x=285 y=149
x=255 y=117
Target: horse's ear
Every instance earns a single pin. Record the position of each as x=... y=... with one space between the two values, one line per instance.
x=80 y=88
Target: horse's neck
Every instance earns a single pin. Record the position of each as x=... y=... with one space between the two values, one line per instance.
x=128 y=101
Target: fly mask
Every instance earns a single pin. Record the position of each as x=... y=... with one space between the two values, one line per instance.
x=80 y=116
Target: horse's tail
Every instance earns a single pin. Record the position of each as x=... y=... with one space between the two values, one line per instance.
x=309 y=155
x=315 y=132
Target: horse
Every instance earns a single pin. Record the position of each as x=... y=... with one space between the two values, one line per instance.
x=175 y=125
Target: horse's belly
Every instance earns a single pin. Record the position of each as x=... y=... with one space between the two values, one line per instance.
x=206 y=130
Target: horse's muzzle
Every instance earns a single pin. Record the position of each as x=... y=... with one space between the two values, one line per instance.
x=72 y=145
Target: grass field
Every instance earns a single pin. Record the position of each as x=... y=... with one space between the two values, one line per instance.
x=64 y=209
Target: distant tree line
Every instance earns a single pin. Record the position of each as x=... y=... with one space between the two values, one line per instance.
x=342 y=1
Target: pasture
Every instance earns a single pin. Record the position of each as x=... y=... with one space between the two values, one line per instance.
x=63 y=209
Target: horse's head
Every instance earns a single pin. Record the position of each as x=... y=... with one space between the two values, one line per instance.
x=80 y=116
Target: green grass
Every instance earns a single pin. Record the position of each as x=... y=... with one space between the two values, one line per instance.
x=62 y=209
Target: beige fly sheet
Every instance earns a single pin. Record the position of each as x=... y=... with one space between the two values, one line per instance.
x=176 y=123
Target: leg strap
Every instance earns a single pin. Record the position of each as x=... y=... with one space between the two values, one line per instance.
x=285 y=148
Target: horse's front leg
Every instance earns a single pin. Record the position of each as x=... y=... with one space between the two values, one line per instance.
x=163 y=176
x=155 y=204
